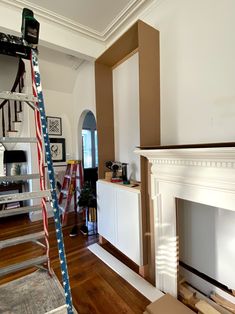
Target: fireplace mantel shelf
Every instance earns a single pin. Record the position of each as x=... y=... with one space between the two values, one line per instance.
x=182 y=146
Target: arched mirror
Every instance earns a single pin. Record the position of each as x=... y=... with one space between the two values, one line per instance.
x=2 y=149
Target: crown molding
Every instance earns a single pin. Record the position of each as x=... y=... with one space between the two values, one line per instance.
x=125 y=15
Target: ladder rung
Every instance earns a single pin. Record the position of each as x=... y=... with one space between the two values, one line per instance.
x=22 y=177
x=61 y=208
x=19 y=210
x=64 y=192
x=8 y=198
x=32 y=262
x=18 y=139
x=18 y=96
x=22 y=239
x=59 y=310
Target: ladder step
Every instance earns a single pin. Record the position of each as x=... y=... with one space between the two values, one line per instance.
x=22 y=239
x=61 y=209
x=12 y=131
x=8 y=198
x=22 y=177
x=18 y=139
x=32 y=262
x=18 y=96
x=19 y=211
x=59 y=310
x=64 y=192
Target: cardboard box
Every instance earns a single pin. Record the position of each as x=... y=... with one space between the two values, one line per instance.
x=167 y=305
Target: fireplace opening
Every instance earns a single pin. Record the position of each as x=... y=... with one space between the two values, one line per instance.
x=206 y=248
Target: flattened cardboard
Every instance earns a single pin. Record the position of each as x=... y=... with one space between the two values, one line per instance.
x=167 y=305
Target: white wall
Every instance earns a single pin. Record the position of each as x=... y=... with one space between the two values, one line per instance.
x=197 y=69
x=8 y=65
x=83 y=101
x=126 y=114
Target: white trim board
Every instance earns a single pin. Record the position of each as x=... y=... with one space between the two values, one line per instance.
x=143 y=286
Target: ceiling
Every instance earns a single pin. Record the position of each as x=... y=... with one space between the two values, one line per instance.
x=97 y=22
x=95 y=18
x=96 y=15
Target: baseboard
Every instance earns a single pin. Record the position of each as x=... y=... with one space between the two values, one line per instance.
x=140 y=284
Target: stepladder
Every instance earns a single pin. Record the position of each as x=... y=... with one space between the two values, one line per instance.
x=71 y=187
x=41 y=140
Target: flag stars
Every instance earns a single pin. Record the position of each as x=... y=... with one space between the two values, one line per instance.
x=40 y=105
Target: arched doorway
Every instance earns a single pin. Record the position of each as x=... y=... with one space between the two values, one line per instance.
x=88 y=147
x=89 y=141
x=88 y=152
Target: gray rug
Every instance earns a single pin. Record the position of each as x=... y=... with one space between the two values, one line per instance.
x=36 y=293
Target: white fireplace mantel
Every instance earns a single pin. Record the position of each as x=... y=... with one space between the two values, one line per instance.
x=202 y=175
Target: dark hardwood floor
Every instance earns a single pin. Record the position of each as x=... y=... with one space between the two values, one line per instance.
x=95 y=287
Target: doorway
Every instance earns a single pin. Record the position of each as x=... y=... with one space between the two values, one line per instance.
x=89 y=141
x=90 y=149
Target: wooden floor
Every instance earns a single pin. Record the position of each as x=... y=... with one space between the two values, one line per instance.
x=95 y=287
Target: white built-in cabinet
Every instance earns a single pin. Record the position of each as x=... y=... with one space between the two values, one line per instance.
x=119 y=218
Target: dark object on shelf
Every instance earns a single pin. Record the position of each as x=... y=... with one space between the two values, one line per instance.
x=116 y=166
x=13 y=160
x=29 y=27
x=11 y=187
x=11 y=156
x=124 y=172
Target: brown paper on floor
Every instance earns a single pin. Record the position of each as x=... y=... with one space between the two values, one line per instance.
x=168 y=305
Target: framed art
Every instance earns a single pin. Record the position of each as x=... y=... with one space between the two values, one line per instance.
x=57 y=148
x=54 y=125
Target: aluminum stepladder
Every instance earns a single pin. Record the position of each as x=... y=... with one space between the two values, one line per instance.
x=36 y=102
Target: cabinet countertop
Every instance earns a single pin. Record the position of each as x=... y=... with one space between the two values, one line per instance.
x=132 y=187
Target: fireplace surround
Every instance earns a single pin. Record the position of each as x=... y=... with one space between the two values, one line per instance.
x=203 y=175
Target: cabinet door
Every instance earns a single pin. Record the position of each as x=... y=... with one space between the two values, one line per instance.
x=105 y=211
x=128 y=218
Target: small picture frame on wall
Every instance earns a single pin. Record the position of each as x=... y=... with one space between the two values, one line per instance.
x=54 y=125
x=57 y=148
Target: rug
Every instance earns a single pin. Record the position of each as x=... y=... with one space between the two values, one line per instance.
x=36 y=293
